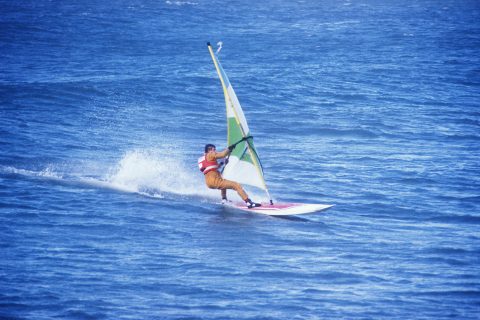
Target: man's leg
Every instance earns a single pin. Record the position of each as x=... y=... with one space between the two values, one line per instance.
x=227 y=184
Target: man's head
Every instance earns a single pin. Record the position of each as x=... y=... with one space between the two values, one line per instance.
x=209 y=147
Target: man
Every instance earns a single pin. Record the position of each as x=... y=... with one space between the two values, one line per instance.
x=209 y=166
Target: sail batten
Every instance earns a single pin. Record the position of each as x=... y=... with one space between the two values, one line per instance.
x=244 y=165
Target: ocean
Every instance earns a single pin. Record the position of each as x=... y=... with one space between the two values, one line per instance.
x=373 y=106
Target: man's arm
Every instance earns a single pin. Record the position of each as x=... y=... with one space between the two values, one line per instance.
x=217 y=155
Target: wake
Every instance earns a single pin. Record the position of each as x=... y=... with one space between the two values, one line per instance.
x=148 y=172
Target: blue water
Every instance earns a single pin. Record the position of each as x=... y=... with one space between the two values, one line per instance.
x=370 y=105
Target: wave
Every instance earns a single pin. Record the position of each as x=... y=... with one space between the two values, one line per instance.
x=311 y=128
x=357 y=133
x=181 y=3
x=457 y=219
x=152 y=173
x=48 y=172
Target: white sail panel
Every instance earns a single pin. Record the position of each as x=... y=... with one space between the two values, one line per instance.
x=235 y=110
x=243 y=172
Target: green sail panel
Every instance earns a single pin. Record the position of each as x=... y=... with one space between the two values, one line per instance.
x=235 y=135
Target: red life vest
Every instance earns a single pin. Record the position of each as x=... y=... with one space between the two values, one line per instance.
x=206 y=166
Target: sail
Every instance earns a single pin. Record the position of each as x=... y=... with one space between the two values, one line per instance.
x=244 y=165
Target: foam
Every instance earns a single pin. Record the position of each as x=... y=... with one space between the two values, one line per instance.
x=48 y=172
x=154 y=172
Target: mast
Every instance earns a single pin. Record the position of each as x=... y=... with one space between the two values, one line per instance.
x=228 y=100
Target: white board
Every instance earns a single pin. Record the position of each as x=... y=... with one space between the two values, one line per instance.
x=281 y=209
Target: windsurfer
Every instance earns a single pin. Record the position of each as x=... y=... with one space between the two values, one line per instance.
x=209 y=166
